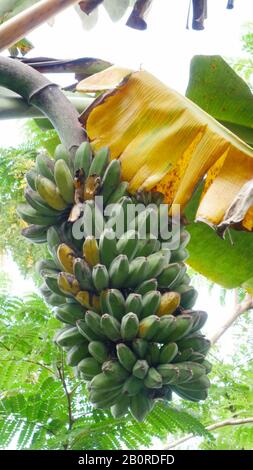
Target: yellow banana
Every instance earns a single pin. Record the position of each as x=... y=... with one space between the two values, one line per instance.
x=66 y=256
x=68 y=284
x=169 y=303
x=50 y=193
x=91 y=251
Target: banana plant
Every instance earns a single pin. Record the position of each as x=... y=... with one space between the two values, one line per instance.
x=208 y=169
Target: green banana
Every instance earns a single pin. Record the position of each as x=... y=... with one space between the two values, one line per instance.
x=31 y=179
x=170 y=274
x=140 y=406
x=87 y=332
x=179 y=255
x=140 y=347
x=98 y=350
x=52 y=284
x=99 y=162
x=156 y=263
x=31 y=216
x=137 y=271
x=153 y=379
x=125 y=356
x=197 y=370
x=169 y=373
x=120 y=408
x=188 y=295
x=183 y=327
x=89 y=366
x=55 y=300
x=69 y=337
x=132 y=386
x=92 y=320
x=53 y=240
x=50 y=193
x=148 y=327
x=196 y=342
x=115 y=371
x=117 y=216
x=166 y=327
x=100 y=277
x=134 y=304
x=129 y=326
x=110 y=327
x=115 y=303
x=147 y=246
x=207 y=365
x=103 y=383
x=153 y=354
x=46 y=266
x=119 y=192
x=64 y=181
x=202 y=383
x=168 y=352
x=118 y=271
x=128 y=244
x=45 y=167
x=110 y=180
x=102 y=300
x=146 y=286
x=101 y=400
x=184 y=238
x=61 y=153
x=140 y=369
x=83 y=158
x=196 y=395
x=37 y=203
x=70 y=313
x=151 y=303
x=76 y=354
x=199 y=319
x=107 y=247
x=82 y=273
x=35 y=233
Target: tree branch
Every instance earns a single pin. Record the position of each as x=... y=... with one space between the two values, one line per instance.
x=67 y=393
x=212 y=427
x=239 y=309
x=17 y=27
x=38 y=91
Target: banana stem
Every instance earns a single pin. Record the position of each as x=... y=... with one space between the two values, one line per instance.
x=17 y=108
x=44 y=95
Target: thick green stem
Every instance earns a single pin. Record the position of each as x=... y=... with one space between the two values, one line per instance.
x=39 y=92
x=17 y=108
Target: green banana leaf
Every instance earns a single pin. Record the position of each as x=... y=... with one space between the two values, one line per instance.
x=226 y=262
x=216 y=88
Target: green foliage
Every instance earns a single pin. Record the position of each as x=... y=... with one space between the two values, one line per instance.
x=34 y=409
x=14 y=162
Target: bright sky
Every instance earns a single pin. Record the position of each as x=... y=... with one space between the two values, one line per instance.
x=165 y=49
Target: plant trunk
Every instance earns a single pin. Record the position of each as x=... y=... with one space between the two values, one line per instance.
x=38 y=91
x=17 y=27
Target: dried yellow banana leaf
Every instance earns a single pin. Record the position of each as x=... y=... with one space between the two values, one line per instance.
x=167 y=143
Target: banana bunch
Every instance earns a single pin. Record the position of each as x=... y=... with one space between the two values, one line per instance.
x=130 y=363
x=125 y=300
x=130 y=330
x=57 y=187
